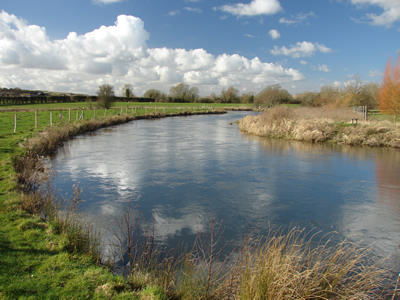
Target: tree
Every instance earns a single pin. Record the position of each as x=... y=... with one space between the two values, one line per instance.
x=247 y=97
x=105 y=95
x=183 y=93
x=272 y=95
x=127 y=91
x=389 y=92
x=307 y=98
x=357 y=93
x=230 y=95
x=157 y=95
x=329 y=95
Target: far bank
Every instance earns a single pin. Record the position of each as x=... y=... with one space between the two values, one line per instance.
x=319 y=125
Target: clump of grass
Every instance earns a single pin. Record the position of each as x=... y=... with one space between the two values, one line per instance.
x=289 y=266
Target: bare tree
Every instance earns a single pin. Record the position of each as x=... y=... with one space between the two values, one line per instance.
x=105 y=96
x=272 y=95
x=230 y=95
x=157 y=95
x=183 y=93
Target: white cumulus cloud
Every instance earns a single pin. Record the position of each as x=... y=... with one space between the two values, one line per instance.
x=254 y=8
x=274 y=34
x=390 y=14
x=118 y=54
x=301 y=49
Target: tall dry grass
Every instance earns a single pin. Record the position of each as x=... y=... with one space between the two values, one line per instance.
x=290 y=266
x=286 y=265
x=320 y=125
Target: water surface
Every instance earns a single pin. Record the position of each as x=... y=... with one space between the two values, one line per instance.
x=178 y=170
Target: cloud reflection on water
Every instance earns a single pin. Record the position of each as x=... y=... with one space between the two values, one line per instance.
x=178 y=170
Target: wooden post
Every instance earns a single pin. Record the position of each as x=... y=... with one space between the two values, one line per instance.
x=94 y=114
x=36 y=121
x=105 y=112
x=69 y=115
x=77 y=114
x=15 y=123
x=51 y=118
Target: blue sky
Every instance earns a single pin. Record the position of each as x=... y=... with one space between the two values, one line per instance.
x=77 y=45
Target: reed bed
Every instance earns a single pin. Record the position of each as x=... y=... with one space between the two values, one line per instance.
x=320 y=125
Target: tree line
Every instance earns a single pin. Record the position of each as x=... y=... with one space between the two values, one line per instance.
x=355 y=92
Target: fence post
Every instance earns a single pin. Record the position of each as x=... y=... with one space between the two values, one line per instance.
x=15 y=123
x=69 y=115
x=51 y=118
x=36 y=121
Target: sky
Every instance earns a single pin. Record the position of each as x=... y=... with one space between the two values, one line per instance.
x=77 y=45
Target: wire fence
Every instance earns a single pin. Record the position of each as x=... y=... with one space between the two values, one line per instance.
x=36 y=119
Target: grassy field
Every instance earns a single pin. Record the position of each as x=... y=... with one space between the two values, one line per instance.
x=45 y=255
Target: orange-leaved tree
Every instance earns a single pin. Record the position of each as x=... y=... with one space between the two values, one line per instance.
x=389 y=92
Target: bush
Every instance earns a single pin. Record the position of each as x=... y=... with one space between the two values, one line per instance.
x=105 y=96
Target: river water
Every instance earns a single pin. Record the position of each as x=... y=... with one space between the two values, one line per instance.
x=176 y=171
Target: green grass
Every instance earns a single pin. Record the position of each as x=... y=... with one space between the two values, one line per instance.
x=35 y=259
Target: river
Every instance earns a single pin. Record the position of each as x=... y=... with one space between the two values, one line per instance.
x=176 y=171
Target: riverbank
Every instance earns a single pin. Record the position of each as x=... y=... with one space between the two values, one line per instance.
x=319 y=125
x=42 y=255
x=42 y=258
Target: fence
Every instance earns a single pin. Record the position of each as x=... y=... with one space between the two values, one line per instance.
x=43 y=118
x=4 y=100
x=362 y=110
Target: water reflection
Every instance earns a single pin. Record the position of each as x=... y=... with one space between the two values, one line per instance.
x=177 y=170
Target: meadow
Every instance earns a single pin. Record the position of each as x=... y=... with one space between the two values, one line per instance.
x=48 y=254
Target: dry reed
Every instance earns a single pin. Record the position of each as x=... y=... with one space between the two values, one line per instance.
x=321 y=125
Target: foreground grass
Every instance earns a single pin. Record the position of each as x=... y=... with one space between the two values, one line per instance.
x=320 y=126
x=45 y=256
